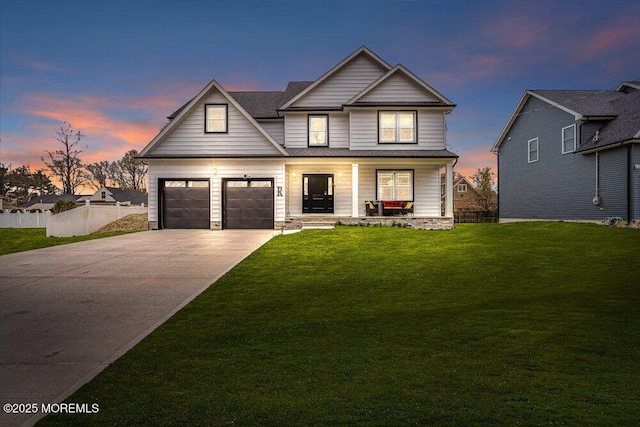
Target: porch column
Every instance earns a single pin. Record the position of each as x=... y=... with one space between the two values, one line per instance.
x=354 y=190
x=448 y=191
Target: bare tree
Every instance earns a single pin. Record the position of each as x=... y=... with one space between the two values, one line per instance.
x=100 y=174
x=65 y=164
x=484 y=182
x=131 y=173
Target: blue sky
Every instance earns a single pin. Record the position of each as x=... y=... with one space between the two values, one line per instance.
x=116 y=69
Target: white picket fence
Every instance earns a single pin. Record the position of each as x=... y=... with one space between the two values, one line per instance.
x=24 y=219
x=86 y=219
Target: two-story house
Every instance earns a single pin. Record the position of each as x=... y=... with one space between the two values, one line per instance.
x=363 y=132
x=571 y=155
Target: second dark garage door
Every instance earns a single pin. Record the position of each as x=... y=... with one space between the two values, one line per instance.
x=248 y=204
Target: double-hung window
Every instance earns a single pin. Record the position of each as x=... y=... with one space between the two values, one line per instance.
x=397 y=127
x=318 y=130
x=395 y=184
x=216 y=118
x=533 y=150
x=569 y=139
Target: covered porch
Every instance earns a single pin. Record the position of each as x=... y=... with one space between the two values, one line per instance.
x=369 y=191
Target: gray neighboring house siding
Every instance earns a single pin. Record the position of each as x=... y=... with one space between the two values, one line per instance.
x=563 y=186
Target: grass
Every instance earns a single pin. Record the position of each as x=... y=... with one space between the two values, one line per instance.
x=506 y=324
x=25 y=239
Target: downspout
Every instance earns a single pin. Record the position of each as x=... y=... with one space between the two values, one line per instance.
x=629 y=183
x=596 y=199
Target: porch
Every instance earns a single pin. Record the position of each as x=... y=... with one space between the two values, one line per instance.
x=341 y=188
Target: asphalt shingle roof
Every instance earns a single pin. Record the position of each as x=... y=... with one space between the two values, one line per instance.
x=584 y=102
x=624 y=127
x=133 y=196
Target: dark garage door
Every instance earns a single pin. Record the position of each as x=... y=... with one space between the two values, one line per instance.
x=185 y=204
x=248 y=204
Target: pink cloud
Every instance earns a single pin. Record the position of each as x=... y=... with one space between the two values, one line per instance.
x=613 y=37
x=475 y=158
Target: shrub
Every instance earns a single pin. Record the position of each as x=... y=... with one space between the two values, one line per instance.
x=63 y=205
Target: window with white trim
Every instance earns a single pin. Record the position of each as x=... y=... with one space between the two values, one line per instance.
x=215 y=118
x=569 y=139
x=533 y=150
x=397 y=127
x=462 y=188
x=395 y=185
x=318 y=130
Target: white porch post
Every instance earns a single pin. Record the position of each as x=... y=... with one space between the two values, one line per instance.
x=448 y=191
x=354 y=190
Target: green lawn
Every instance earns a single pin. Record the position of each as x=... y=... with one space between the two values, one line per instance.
x=535 y=323
x=25 y=239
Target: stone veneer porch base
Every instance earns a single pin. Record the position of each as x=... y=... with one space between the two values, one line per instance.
x=417 y=223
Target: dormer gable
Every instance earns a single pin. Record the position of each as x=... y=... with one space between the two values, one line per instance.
x=187 y=135
x=399 y=86
x=342 y=82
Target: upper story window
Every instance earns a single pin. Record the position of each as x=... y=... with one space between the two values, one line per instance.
x=103 y=194
x=397 y=127
x=462 y=188
x=216 y=118
x=318 y=130
x=533 y=150
x=569 y=139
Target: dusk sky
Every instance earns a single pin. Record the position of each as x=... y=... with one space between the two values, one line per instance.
x=116 y=69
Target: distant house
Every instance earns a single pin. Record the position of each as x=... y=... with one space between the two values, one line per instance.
x=46 y=202
x=465 y=194
x=571 y=155
x=113 y=195
x=4 y=204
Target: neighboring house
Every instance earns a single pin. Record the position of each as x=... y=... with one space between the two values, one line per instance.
x=363 y=131
x=571 y=155
x=5 y=205
x=46 y=202
x=465 y=195
x=113 y=195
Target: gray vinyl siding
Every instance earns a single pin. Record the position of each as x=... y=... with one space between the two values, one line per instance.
x=296 y=130
x=613 y=182
x=635 y=189
x=557 y=186
x=364 y=130
x=275 y=128
x=344 y=84
x=189 y=138
x=398 y=88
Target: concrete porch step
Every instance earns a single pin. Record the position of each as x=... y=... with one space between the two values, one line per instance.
x=318 y=224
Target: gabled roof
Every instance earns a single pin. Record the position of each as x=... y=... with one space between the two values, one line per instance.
x=582 y=104
x=120 y=195
x=624 y=128
x=260 y=105
x=183 y=112
x=363 y=50
x=400 y=69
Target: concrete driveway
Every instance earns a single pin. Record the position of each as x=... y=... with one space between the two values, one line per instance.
x=67 y=312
